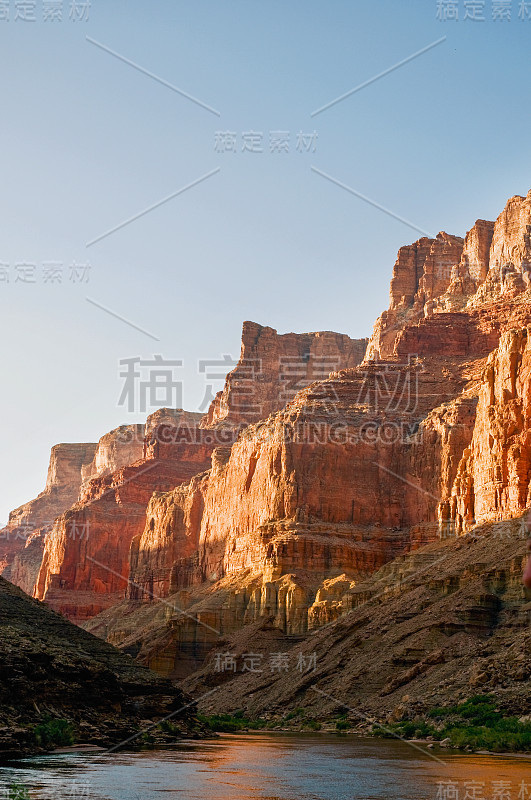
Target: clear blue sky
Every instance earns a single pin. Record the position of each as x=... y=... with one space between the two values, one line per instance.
x=87 y=141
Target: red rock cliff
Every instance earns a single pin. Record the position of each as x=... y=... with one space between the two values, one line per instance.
x=71 y=466
x=85 y=564
x=494 y=475
x=326 y=483
x=62 y=489
x=273 y=368
x=374 y=460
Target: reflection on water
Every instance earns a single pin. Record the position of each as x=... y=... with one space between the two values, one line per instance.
x=276 y=767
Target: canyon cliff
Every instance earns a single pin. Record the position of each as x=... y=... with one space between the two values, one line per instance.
x=79 y=563
x=322 y=460
x=85 y=562
x=433 y=628
x=33 y=519
x=272 y=368
x=372 y=462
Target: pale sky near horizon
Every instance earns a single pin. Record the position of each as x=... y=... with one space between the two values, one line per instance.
x=89 y=141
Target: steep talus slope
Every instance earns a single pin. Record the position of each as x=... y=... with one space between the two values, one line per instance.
x=436 y=626
x=52 y=669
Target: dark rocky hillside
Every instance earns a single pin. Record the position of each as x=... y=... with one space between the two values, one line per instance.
x=52 y=670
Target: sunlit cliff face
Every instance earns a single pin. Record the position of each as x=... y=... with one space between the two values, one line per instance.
x=527 y=571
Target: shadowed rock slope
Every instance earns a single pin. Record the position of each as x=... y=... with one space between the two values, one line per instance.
x=51 y=669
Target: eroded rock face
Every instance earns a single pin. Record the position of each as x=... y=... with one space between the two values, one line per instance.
x=71 y=467
x=115 y=450
x=476 y=250
x=164 y=557
x=448 y=274
x=494 y=474
x=375 y=460
x=273 y=368
x=26 y=564
x=432 y=628
x=323 y=485
x=85 y=565
x=62 y=489
x=323 y=460
x=422 y=273
x=339 y=483
x=511 y=240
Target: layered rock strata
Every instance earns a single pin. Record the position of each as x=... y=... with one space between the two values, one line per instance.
x=316 y=488
x=85 y=564
x=62 y=489
x=373 y=461
x=449 y=274
x=303 y=505
x=493 y=479
x=272 y=368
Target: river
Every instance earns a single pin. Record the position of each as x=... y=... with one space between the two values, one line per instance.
x=275 y=766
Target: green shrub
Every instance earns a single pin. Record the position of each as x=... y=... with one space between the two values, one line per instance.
x=298 y=712
x=475 y=723
x=17 y=791
x=232 y=723
x=56 y=732
x=169 y=727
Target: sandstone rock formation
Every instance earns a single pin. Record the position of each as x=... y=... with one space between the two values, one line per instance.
x=71 y=469
x=432 y=628
x=511 y=239
x=493 y=480
x=71 y=466
x=116 y=449
x=375 y=460
x=273 y=368
x=62 y=489
x=85 y=563
x=449 y=274
x=422 y=273
x=311 y=470
x=475 y=257
x=299 y=500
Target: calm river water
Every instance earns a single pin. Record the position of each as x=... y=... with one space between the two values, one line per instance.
x=275 y=767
